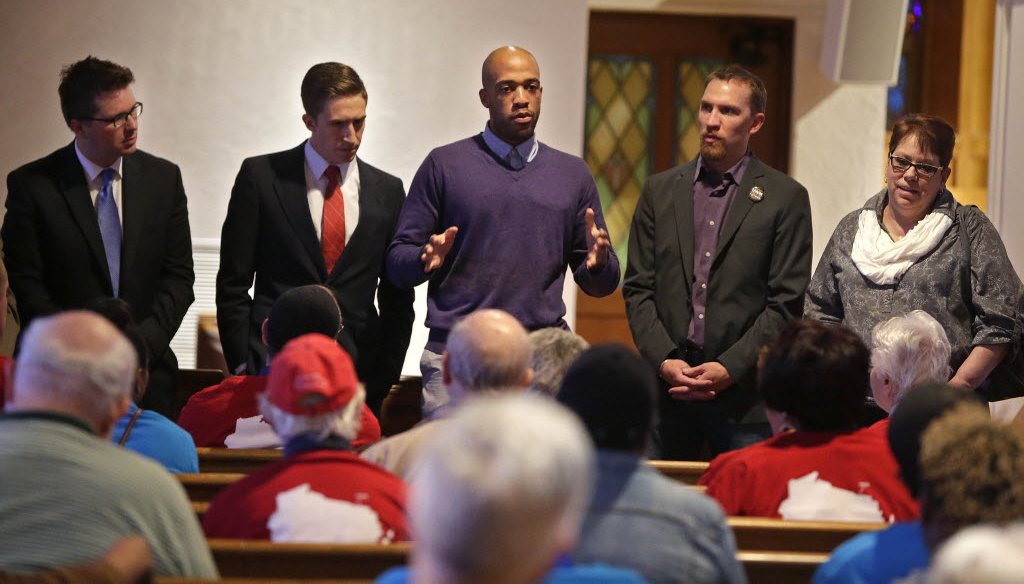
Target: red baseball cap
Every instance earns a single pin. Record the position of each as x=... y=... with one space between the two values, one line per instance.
x=311 y=375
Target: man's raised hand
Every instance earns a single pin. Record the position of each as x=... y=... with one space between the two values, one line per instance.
x=437 y=249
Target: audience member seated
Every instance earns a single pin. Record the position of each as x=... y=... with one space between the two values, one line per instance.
x=128 y=561
x=498 y=496
x=906 y=351
x=819 y=466
x=487 y=351
x=67 y=493
x=638 y=518
x=898 y=550
x=227 y=414
x=5 y=364
x=972 y=471
x=321 y=491
x=989 y=554
x=554 y=350
x=147 y=432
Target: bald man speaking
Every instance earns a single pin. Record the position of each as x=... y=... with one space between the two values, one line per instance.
x=492 y=221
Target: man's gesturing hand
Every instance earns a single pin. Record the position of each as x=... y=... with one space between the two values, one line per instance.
x=598 y=243
x=437 y=249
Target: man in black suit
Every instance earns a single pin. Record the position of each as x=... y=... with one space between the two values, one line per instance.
x=719 y=257
x=100 y=218
x=316 y=214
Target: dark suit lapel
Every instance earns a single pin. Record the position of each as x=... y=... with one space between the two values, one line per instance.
x=76 y=192
x=741 y=204
x=133 y=211
x=290 y=186
x=682 y=194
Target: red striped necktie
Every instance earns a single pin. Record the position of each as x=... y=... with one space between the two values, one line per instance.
x=332 y=227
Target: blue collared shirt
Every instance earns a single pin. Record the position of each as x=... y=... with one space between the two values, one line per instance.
x=527 y=149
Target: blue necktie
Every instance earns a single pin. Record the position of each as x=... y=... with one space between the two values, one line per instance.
x=515 y=160
x=110 y=227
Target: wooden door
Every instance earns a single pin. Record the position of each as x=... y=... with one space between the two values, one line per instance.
x=645 y=80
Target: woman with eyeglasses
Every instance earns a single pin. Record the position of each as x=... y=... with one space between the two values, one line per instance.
x=912 y=246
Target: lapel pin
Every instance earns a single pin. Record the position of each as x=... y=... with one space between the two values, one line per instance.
x=756 y=194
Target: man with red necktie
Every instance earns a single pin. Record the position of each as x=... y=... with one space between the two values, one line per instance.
x=316 y=214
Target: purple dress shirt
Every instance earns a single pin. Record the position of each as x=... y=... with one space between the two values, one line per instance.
x=713 y=194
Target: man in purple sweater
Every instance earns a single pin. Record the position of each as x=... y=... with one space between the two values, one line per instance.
x=471 y=198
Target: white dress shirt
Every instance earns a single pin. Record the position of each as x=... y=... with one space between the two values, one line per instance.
x=316 y=183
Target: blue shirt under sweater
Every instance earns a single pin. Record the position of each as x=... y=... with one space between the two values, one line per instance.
x=518 y=231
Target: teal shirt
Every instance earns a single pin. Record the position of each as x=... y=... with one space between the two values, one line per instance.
x=157 y=437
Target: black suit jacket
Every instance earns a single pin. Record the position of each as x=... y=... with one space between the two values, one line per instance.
x=269 y=234
x=758 y=275
x=55 y=257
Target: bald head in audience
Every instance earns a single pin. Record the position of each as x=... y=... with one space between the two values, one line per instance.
x=487 y=351
x=74 y=363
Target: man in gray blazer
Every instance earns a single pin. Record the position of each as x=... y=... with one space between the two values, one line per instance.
x=719 y=257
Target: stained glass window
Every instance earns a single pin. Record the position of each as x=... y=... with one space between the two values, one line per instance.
x=904 y=97
x=620 y=107
x=691 y=75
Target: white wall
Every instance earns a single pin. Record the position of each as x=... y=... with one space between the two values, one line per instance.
x=220 y=79
x=838 y=132
x=1005 y=204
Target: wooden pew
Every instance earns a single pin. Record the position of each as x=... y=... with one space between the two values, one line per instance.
x=189 y=382
x=250 y=559
x=245 y=460
x=236 y=460
x=203 y=487
x=779 y=535
x=780 y=567
x=402 y=407
x=269 y=563
x=684 y=471
x=200 y=510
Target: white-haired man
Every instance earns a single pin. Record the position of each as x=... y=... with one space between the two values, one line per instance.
x=554 y=350
x=907 y=350
x=488 y=351
x=321 y=491
x=67 y=493
x=498 y=497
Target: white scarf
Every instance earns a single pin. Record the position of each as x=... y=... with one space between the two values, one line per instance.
x=883 y=260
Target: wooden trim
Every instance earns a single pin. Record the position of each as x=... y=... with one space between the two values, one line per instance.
x=236 y=460
x=780 y=535
x=203 y=487
x=686 y=472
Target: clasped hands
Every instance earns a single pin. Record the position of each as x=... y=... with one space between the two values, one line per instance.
x=698 y=383
x=598 y=246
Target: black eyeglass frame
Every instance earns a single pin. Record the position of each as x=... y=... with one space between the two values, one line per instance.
x=901 y=165
x=122 y=118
